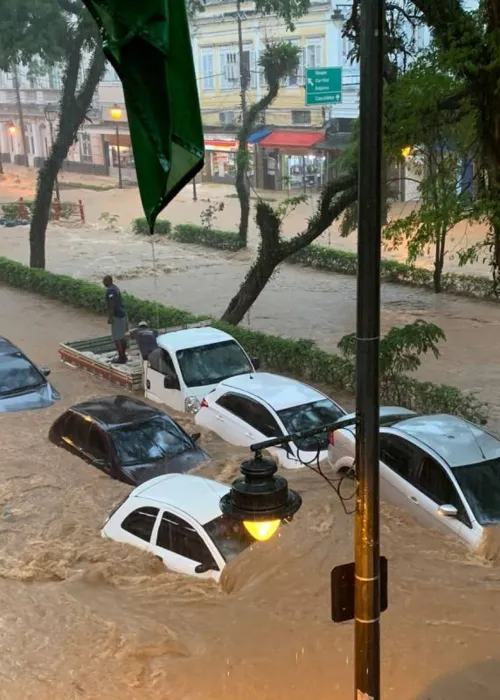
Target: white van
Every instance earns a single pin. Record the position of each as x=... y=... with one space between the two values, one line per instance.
x=189 y=363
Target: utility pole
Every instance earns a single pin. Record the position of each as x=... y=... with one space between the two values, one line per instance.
x=367 y=522
x=15 y=78
x=243 y=72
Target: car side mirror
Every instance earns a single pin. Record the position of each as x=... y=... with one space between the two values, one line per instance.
x=255 y=363
x=448 y=511
x=171 y=382
x=195 y=437
x=203 y=568
x=45 y=371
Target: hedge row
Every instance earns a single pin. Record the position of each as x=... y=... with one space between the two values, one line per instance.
x=191 y=233
x=298 y=358
x=345 y=263
x=11 y=209
x=141 y=227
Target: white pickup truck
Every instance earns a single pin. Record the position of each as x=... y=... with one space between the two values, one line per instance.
x=187 y=364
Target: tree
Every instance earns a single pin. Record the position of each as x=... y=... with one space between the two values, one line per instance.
x=288 y=11
x=273 y=250
x=54 y=32
x=443 y=144
x=467 y=41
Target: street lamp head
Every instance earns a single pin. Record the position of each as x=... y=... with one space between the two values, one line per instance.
x=116 y=113
x=50 y=113
x=260 y=499
x=12 y=128
x=406 y=151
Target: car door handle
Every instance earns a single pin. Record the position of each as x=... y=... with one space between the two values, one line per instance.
x=220 y=418
x=250 y=435
x=413 y=498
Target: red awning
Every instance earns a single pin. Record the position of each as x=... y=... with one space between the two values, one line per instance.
x=291 y=139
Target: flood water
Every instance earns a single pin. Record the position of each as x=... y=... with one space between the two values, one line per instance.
x=82 y=617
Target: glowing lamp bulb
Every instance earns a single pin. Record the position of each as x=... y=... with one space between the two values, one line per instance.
x=116 y=113
x=12 y=130
x=405 y=152
x=261 y=530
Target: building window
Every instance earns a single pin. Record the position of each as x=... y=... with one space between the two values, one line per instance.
x=207 y=69
x=55 y=78
x=30 y=142
x=86 y=148
x=110 y=75
x=229 y=69
x=301 y=117
x=296 y=78
x=314 y=53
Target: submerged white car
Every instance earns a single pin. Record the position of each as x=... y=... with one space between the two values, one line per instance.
x=251 y=408
x=443 y=469
x=177 y=518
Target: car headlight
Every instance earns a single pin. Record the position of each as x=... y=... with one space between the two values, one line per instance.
x=192 y=404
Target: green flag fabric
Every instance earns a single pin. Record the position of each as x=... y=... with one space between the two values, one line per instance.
x=148 y=43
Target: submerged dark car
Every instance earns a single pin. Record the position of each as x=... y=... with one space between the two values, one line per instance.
x=23 y=386
x=127 y=439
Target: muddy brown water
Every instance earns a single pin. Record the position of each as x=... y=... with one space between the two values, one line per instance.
x=81 y=617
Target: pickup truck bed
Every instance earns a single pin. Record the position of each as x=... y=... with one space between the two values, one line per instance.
x=95 y=356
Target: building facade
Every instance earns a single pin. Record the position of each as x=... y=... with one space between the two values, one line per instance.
x=293 y=147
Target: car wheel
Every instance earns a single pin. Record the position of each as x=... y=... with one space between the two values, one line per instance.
x=345 y=467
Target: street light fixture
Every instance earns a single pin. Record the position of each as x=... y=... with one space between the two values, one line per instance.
x=51 y=114
x=116 y=115
x=12 y=128
x=259 y=499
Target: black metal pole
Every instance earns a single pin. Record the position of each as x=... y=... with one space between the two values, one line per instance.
x=56 y=184
x=367 y=526
x=120 y=182
x=194 y=189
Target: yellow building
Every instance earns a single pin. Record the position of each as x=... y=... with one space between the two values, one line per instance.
x=291 y=127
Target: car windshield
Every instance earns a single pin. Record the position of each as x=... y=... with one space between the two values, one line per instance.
x=311 y=415
x=211 y=364
x=17 y=374
x=150 y=441
x=229 y=536
x=480 y=484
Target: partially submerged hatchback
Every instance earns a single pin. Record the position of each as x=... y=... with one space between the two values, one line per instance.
x=23 y=385
x=177 y=517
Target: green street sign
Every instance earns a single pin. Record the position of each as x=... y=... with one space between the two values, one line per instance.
x=323 y=86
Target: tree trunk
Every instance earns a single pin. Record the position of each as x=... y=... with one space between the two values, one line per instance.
x=243 y=191
x=258 y=276
x=74 y=107
x=439 y=259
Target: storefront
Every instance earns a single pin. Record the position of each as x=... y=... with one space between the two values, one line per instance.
x=126 y=156
x=220 y=161
x=290 y=161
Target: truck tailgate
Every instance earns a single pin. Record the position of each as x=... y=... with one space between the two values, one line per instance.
x=95 y=356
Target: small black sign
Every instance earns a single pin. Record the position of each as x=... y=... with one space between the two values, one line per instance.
x=343 y=590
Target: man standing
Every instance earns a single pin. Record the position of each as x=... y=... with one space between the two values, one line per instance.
x=145 y=337
x=117 y=318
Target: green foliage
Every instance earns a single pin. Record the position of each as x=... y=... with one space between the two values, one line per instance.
x=11 y=210
x=279 y=61
x=208 y=215
x=141 y=228
x=401 y=348
x=200 y=235
x=296 y=358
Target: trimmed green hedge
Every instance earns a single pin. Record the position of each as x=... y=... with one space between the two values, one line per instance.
x=141 y=228
x=344 y=262
x=198 y=235
x=299 y=358
x=11 y=209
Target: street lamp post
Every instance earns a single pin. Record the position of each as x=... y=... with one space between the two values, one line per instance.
x=367 y=521
x=51 y=115
x=116 y=115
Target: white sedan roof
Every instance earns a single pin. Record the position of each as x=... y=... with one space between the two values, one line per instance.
x=277 y=391
x=454 y=439
x=192 y=338
x=194 y=495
